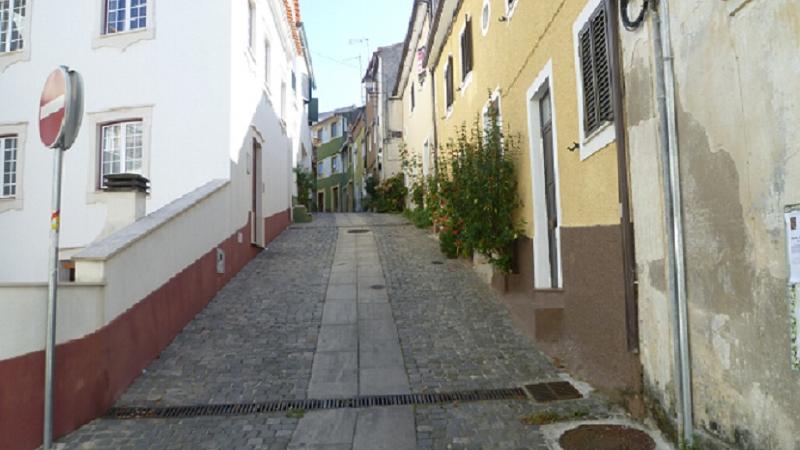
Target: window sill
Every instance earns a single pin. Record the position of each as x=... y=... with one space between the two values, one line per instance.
x=123 y=39
x=465 y=83
x=10 y=204
x=598 y=140
x=448 y=112
x=510 y=11
x=9 y=58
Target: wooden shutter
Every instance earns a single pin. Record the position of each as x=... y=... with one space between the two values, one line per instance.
x=468 y=47
x=596 y=71
x=449 y=80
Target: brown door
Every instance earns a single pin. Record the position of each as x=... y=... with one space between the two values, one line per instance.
x=546 y=117
x=255 y=207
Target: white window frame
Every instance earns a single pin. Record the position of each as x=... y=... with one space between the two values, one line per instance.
x=283 y=102
x=123 y=151
x=18 y=131
x=541 y=258
x=3 y=140
x=122 y=39
x=128 y=8
x=9 y=57
x=487 y=6
x=13 y=5
x=448 y=72
x=495 y=96
x=510 y=8
x=606 y=133
x=251 y=26
x=95 y=120
x=267 y=63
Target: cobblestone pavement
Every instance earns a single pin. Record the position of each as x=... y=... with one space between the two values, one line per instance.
x=257 y=432
x=453 y=332
x=255 y=341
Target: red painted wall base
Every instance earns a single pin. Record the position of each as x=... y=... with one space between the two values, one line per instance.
x=275 y=224
x=93 y=371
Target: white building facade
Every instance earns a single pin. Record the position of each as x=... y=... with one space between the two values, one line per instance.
x=176 y=93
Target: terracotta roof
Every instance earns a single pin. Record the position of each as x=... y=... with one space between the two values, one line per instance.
x=293 y=17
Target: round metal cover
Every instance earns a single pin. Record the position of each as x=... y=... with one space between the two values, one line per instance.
x=606 y=437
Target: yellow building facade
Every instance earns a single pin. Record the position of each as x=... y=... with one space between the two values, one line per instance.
x=526 y=56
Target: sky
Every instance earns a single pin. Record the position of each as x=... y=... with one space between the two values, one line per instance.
x=331 y=26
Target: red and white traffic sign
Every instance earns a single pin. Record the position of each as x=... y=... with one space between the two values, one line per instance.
x=61 y=108
x=53 y=108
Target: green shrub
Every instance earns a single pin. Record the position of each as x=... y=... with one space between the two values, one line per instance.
x=474 y=196
x=420 y=217
x=390 y=196
x=305 y=184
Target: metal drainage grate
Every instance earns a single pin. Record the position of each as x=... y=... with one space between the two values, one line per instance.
x=548 y=392
x=166 y=412
x=357 y=231
x=377 y=287
x=437 y=263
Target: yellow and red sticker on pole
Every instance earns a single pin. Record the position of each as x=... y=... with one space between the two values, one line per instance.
x=55 y=220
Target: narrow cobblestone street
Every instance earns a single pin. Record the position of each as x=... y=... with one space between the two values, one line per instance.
x=344 y=306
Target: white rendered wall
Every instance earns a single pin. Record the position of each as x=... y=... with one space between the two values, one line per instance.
x=178 y=74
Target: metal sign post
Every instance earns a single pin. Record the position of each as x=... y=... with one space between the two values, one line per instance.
x=60 y=114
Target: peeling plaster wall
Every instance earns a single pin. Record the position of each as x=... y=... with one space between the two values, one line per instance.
x=737 y=70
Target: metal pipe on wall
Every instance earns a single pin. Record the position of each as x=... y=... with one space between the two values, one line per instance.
x=665 y=85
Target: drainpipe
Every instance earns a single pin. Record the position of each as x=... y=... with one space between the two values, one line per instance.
x=435 y=143
x=627 y=237
x=665 y=77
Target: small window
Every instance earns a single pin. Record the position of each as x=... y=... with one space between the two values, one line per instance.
x=121 y=146
x=448 y=82
x=319 y=134
x=335 y=129
x=466 y=50
x=294 y=82
x=12 y=23
x=320 y=169
x=251 y=24
x=486 y=15
x=283 y=100
x=413 y=96
x=8 y=166
x=595 y=71
x=335 y=164
x=125 y=15
x=267 y=57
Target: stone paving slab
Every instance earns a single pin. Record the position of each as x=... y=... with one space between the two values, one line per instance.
x=385 y=429
x=325 y=428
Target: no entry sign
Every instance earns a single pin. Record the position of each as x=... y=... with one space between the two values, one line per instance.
x=61 y=108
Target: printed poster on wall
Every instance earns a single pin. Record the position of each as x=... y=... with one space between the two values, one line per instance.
x=792 y=218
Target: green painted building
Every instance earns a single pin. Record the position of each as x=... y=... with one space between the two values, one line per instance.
x=335 y=176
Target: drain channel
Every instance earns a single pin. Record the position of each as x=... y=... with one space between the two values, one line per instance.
x=167 y=412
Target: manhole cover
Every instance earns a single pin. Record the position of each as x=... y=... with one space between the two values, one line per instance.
x=606 y=437
x=377 y=287
x=437 y=263
x=357 y=231
x=548 y=392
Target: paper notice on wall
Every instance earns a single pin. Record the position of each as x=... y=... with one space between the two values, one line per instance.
x=794 y=322
x=793 y=243
x=792 y=217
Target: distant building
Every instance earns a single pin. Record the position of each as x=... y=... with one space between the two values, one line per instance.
x=384 y=113
x=333 y=160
